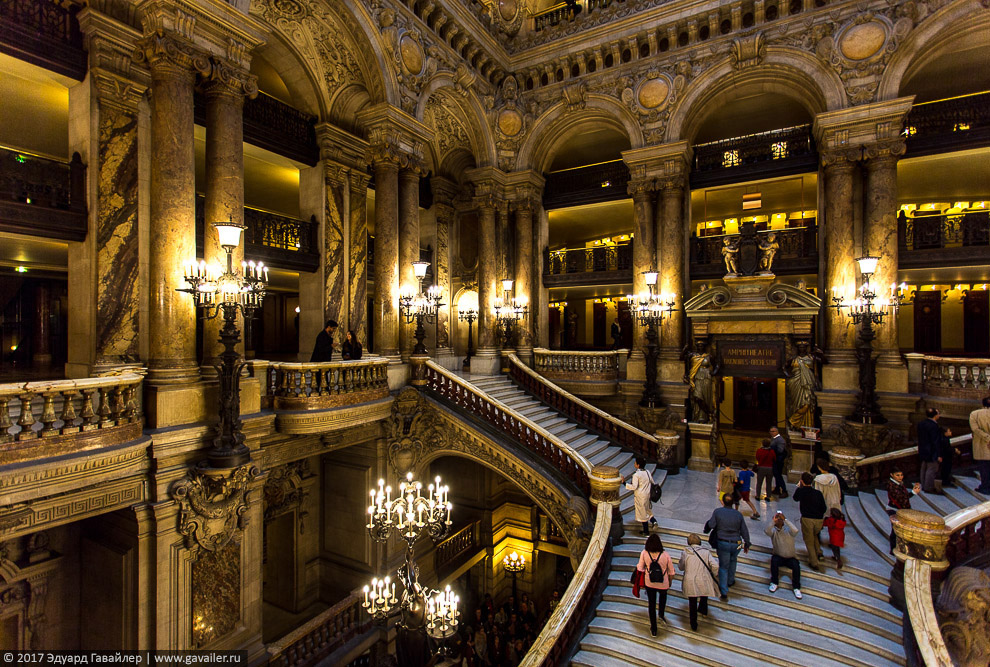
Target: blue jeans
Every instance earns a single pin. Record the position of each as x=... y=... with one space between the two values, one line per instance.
x=728 y=553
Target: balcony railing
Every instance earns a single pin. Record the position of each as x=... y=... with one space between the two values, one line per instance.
x=956 y=377
x=44 y=33
x=325 y=385
x=597 y=265
x=321 y=636
x=595 y=183
x=560 y=365
x=42 y=196
x=450 y=552
x=943 y=240
x=553 y=16
x=44 y=419
x=277 y=240
x=798 y=252
x=947 y=125
x=763 y=155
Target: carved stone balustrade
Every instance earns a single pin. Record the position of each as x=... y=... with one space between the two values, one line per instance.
x=45 y=419
x=588 y=366
x=322 y=636
x=319 y=386
x=956 y=377
x=452 y=551
x=874 y=471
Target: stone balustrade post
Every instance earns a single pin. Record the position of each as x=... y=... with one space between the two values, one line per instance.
x=606 y=482
x=920 y=535
x=846 y=459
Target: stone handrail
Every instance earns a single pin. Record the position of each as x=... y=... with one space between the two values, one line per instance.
x=321 y=636
x=62 y=416
x=931 y=550
x=557 y=635
x=461 y=542
x=874 y=470
x=323 y=385
x=621 y=433
x=956 y=376
x=566 y=365
x=533 y=437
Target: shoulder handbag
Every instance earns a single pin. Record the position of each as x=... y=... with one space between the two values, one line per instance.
x=707 y=567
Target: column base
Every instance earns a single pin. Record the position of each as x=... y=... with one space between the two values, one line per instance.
x=486 y=361
x=398 y=375
x=176 y=405
x=525 y=354
x=636 y=368
x=803 y=455
x=701 y=451
x=445 y=357
x=186 y=373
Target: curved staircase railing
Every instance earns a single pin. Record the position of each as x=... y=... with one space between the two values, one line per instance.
x=966 y=534
x=875 y=470
x=553 y=644
x=641 y=443
x=577 y=365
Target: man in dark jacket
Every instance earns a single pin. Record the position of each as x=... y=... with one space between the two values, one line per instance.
x=779 y=446
x=323 y=349
x=929 y=449
x=813 y=508
x=730 y=529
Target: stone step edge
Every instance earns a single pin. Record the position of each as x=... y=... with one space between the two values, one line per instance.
x=586 y=645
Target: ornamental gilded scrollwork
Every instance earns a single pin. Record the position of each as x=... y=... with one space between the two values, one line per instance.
x=212 y=505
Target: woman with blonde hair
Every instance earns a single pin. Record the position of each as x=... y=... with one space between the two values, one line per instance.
x=698 y=582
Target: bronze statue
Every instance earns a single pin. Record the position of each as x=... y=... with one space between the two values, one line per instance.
x=768 y=250
x=699 y=375
x=730 y=255
x=801 y=384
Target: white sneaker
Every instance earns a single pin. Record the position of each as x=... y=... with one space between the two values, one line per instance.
x=773 y=588
x=797 y=593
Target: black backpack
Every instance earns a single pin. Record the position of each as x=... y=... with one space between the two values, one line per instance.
x=656 y=492
x=657 y=575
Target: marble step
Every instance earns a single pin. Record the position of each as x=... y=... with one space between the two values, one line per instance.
x=960 y=496
x=548 y=420
x=865 y=528
x=769 y=626
x=602 y=458
x=935 y=503
x=971 y=483
x=875 y=506
x=602 y=649
x=566 y=430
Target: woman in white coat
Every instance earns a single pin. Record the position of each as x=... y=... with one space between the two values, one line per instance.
x=641 y=484
x=699 y=570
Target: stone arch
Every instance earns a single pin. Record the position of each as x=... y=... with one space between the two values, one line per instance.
x=289 y=64
x=789 y=72
x=471 y=112
x=559 y=123
x=949 y=23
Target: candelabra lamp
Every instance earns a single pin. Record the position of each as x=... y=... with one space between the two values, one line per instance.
x=508 y=311
x=649 y=310
x=514 y=564
x=867 y=311
x=421 y=307
x=410 y=515
x=467 y=311
x=227 y=292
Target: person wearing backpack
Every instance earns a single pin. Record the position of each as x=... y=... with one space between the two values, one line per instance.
x=641 y=484
x=658 y=569
x=699 y=581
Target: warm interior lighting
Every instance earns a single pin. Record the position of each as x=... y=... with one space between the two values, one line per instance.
x=297 y=309
x=21 y=269
x=752 y=201
x=229 y=233
x=868 y=264
x=651 y=277
x=419 y=269
x=507 y=285
x=468 y=301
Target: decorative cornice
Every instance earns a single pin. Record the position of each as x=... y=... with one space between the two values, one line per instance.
x=861 y=125
x=342 y=146
x=226 y=78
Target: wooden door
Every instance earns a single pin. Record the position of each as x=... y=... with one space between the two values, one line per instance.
x=755 y=403
x=928 y=321
x=554 y=328
x=976 y=322
x=625 y=321
x=599 y=315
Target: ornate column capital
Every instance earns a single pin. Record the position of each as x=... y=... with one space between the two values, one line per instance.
x=165 y=51
x=335 y=173
x=641 y=188
x=110 y=44
x=841 y=158
x=884 y=150
x=445 y=191
x=227 y=79
x=359 y=180
x=117 y=91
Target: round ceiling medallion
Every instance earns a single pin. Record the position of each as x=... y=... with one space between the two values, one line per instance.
x=507 y=9
x=510 y=122
x=864 y=40
x=653 y=93
x=412 y=54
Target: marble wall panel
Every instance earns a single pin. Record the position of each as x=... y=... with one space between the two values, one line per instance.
x=216 y=594
x=333 y=250
x=358 y=258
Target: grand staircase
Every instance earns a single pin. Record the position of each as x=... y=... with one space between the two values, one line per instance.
x=844 y=618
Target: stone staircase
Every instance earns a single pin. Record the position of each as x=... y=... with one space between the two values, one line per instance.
x=868 y=515
x=594 y=448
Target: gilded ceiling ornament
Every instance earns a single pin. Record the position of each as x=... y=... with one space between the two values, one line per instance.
x=861 y=41
x=411 y=53
x=212 y=505
x=749 y=51
x=289 y=8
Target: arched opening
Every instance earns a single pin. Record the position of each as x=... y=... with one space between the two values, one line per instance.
x=749 y=114
x=947 y=68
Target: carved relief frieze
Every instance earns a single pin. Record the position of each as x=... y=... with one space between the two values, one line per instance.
x=963 y=611
x=212 y=505
x=284 y=490
x=449 y=131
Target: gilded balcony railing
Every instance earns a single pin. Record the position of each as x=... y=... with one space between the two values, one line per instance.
x=52 y=418
x=42 y=196
x=761 y=155
x=44 y=33
x=943 y=240
x=956 y=377
x=952 y=124
x=565 y=365
x=321 y=636
x=594 y=259
x=797 y=252
x=320 y=386
x=606 y=181
x=554 y=15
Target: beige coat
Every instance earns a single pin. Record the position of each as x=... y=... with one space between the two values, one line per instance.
x=698 y=567
x=828 y=484
x=979 y=423
x=641 y=484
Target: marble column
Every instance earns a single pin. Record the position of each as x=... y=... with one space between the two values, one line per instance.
x=880 y=230
x=487 y=279
x=444 y=192
x=41 y=352
x=408 y=248
x=173 y=63
x=359 y=255
x=670 y=237
x=839 y=264
x=116 y=247
x=224 y=90
x=539 y=309
x=643 y=250
x=334 y=296
x=524 y=262
x=387 y=255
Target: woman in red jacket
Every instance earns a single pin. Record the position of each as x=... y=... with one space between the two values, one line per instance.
x=658 y=573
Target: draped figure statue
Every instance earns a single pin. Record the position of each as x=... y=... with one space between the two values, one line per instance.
x=699 y=377
x=801 y=384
